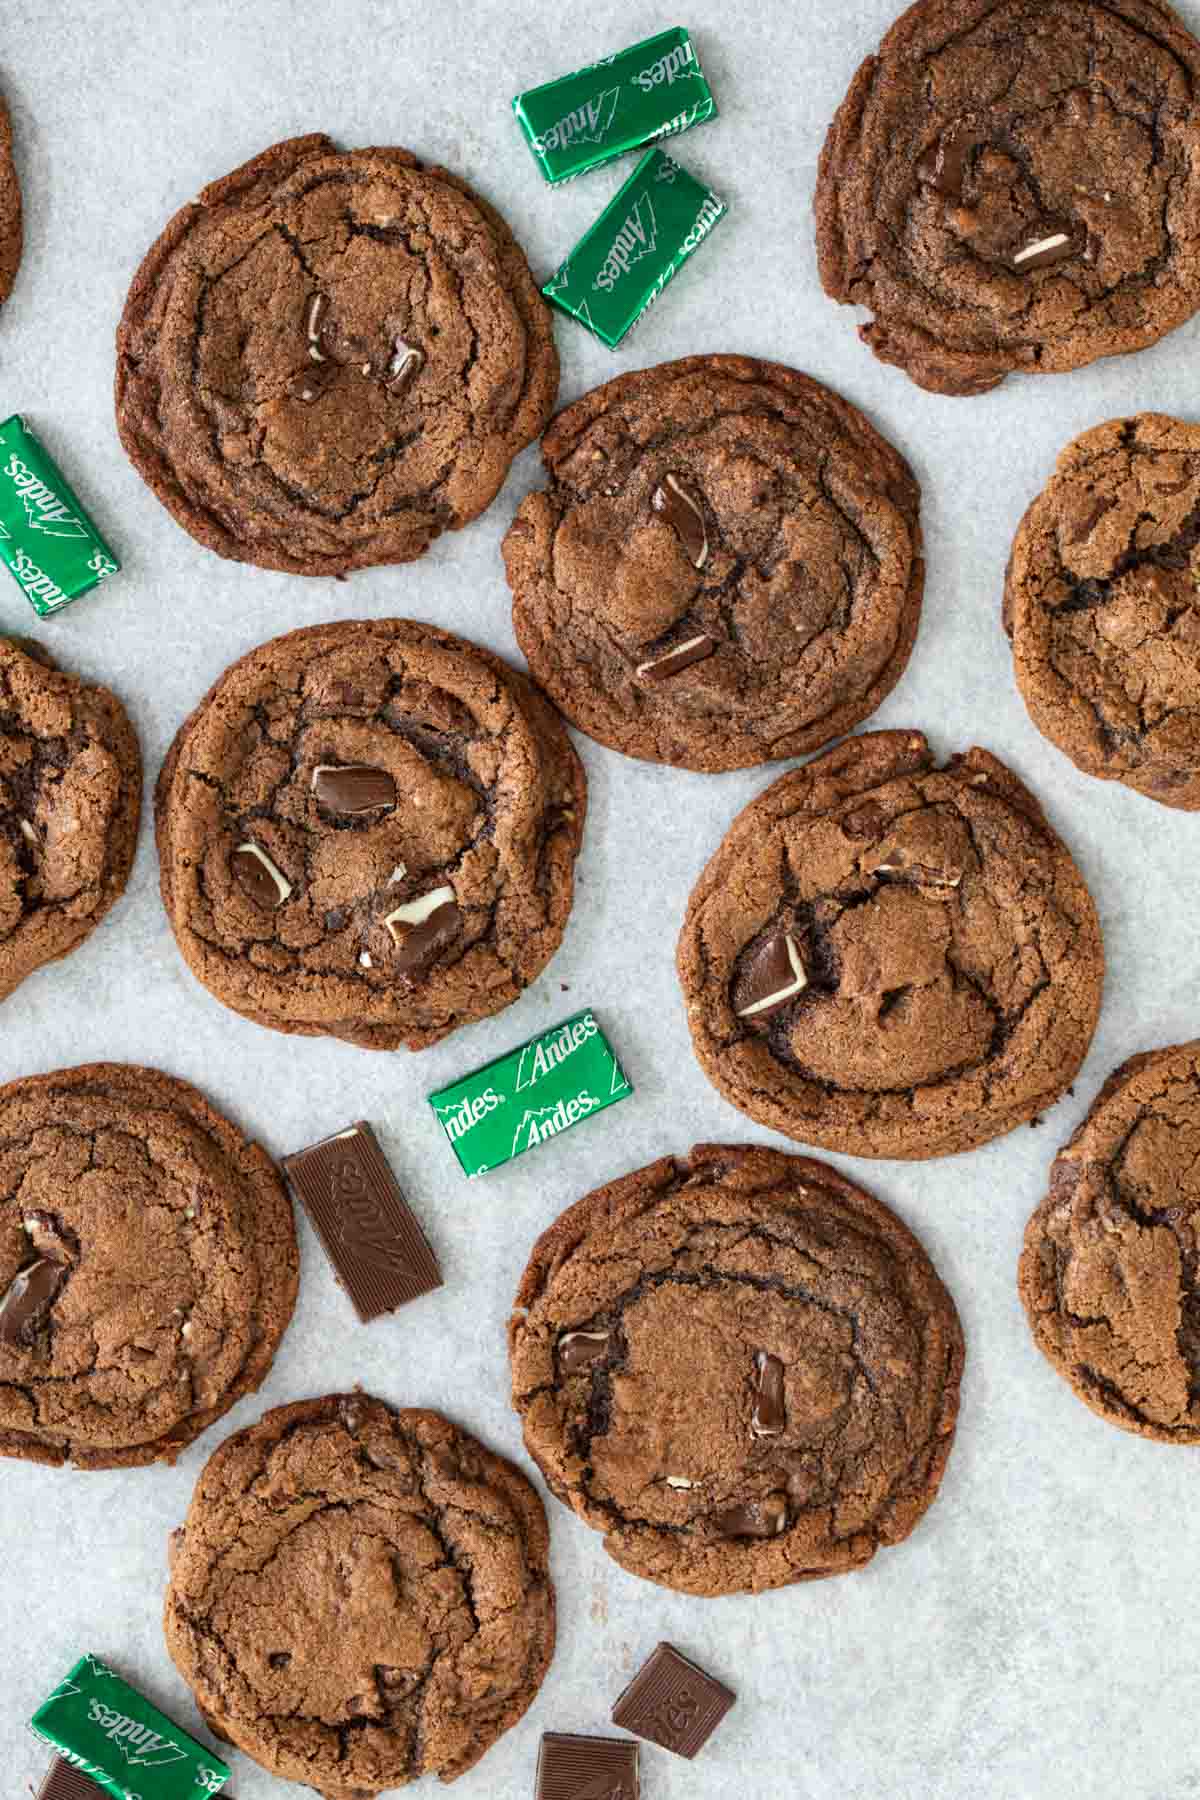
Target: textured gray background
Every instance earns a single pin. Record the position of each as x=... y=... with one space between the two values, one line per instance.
x=1039 y=1632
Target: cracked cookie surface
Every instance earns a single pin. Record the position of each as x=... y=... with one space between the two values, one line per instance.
x=148 y=1266
x=1110 y=1271
x=330 y=358
x=1015 y=185
x=891 y=959
x=726 y=568
x=368 y=830
x=740 y=1367
x=70 y=803
x=11 y=228
x=360 y=1595
x=1102 y=606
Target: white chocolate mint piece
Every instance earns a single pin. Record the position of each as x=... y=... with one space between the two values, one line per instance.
x=415 y=912
x=770 y=1414
x=255 y=870
x=1043 y=251
x=678 y=503
x=924 y=877
x=673 y=662
x=773 y=975
x=580 y=1349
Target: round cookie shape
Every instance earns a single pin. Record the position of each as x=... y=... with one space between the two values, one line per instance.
x=148 y=1266
x=890 y=959
x=1102 y=606
x=70 y=804
x=1015 y=185
x=12 y=234
x=330 y=358
x=740 y=1367
x=394 y=1615
x=1110 y=1271
x=367 y=830
x=725 y=569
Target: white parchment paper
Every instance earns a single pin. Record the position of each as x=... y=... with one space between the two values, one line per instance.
x=1038 y=1635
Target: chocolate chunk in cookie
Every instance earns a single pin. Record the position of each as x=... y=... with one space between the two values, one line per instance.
x=148 y=1266
x=944 y=955
x=1110 y=1272
x=368 y=830
x=1103 y=608
x=12 y=234
x=361 y=1596
x=778 y=1390
x=725 y=569
x=70 y=802
x=330 y=358
x=1015 y=185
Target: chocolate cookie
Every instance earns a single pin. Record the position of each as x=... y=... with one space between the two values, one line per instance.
x=738 y=1366
x=1110 y=1273
x=12 y=236
x=330 y=358
x=361 y=1596
x=891 y=959
x=148 y=1266
x=1102 y=607
x=70 y=802
x=725 y=569
x=1015 y=184
x=368 y=830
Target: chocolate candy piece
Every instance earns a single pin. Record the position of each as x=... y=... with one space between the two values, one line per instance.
x=257 y=875
x=680 y=505
x=49 y=1239
x=353 y=787
x=28 y=1299
x=773 y=974
x=113 y=1735
x=638 y=244
x=62 y=1782
x=318 y=306
x=945 y=162
x=673 y=1702
x=650 y=91
x=757 y=1519
x=415 y=912
x=1041 y=251
x=770 y=1413
x=673 y=662
x=423 y=945
x=534 y=1092
x=317 y=310
x=434 y=922
x=406 y=364
x=49 y=544
x=580 y=1349
x=379 y=1253
x=586 y=1768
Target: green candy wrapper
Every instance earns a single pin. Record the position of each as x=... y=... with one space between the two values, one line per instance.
x=47 y=541
x=640 y=242
x=531 y=1094
x=652 y=90
x=111 y=1733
